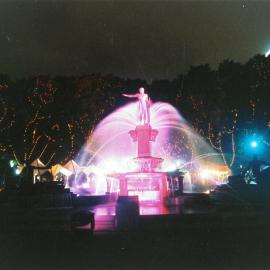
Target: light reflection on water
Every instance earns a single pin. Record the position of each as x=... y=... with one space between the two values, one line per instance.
x=145 y=209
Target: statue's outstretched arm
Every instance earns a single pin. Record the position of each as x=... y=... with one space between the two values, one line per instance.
x=130 y=96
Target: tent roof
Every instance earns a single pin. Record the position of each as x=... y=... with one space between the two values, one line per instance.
x=37 y=163
x=73 y=167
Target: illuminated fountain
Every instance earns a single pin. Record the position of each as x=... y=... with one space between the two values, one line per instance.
x=146 y=182
x=131 y=151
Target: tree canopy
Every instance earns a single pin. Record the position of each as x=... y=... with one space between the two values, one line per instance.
x=51 y=117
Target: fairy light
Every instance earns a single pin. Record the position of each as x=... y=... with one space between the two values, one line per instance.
x=71 y=138
x=42 y=152
x=14 y=154
x=219 y=136
x=32 y=149
x=233 y=150
x=210 y=136
x=253 y=106
x=235 y=115
x=50 y=159
x=43 y=94
x=29 y=123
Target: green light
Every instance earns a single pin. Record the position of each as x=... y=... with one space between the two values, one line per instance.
x=12 y=163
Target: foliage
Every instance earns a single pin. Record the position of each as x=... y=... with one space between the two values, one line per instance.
x=50 y=118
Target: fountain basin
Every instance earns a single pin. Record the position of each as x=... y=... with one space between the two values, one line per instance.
x=148 y=186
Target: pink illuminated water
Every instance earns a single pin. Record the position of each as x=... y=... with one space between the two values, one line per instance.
x=111 y=150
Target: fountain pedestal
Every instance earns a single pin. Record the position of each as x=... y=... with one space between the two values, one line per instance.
x=146 y=182
x=144 y=136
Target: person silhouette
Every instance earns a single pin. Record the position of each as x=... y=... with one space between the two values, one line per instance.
x=255 y=167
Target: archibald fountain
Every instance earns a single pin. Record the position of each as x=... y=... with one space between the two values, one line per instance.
x=132 y=150
x=146 y=181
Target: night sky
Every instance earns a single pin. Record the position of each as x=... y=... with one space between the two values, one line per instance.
x=145 y=39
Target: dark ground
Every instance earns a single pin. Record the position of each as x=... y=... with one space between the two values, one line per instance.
x=198 y=243
x=203 y=236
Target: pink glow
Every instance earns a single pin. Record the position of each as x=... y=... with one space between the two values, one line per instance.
x=112 y=146
x=111 y=140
